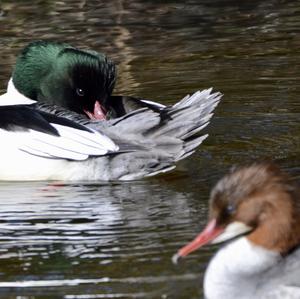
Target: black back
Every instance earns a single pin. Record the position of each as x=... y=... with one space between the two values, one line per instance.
x=25 y=117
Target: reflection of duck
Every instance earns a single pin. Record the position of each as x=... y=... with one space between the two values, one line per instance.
x=105 y=224
x=79 y=80
x=36 y=145
x=261 y=202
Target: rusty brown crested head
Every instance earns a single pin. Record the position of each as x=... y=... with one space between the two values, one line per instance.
x=258 y=200
x=263 y=197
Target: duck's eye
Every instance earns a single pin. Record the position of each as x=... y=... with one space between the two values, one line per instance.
x=230 y=209
x=80 y=92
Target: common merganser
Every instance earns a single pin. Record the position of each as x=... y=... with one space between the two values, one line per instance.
x=257 y=207
x=37 y=145
x=79 y=80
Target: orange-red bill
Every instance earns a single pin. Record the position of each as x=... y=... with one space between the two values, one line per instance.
x=99 y=112
x=210 y=232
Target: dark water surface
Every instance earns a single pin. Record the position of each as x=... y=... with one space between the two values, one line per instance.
x=116 y=240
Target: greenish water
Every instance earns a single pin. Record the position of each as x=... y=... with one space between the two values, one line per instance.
x=116 y=240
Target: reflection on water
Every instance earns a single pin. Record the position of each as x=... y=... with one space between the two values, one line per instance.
x=112 y=239
x=116 y=240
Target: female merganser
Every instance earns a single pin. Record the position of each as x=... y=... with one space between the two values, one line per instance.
x=258 y=208
x=37 y=145
x=79 y=80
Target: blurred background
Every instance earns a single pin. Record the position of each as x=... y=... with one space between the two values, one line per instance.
x=100 y=240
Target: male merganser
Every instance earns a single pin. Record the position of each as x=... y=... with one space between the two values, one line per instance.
x=79 y=80
x=37 y=145
x=257 y=207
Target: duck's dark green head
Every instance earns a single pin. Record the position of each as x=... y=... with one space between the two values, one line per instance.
x=56 y=73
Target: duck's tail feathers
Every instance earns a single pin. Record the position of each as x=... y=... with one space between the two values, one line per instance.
x=167 y=137
x=190 y=115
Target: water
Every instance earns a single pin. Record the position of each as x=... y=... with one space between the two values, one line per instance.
x=96 y=240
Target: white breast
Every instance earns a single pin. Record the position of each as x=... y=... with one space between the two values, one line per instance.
x=236 y=269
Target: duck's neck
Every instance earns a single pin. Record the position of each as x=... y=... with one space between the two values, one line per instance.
x=235 y=270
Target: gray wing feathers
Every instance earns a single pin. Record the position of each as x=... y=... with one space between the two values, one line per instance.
x=152 y=142
x=176 y=132
x=163 y=138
